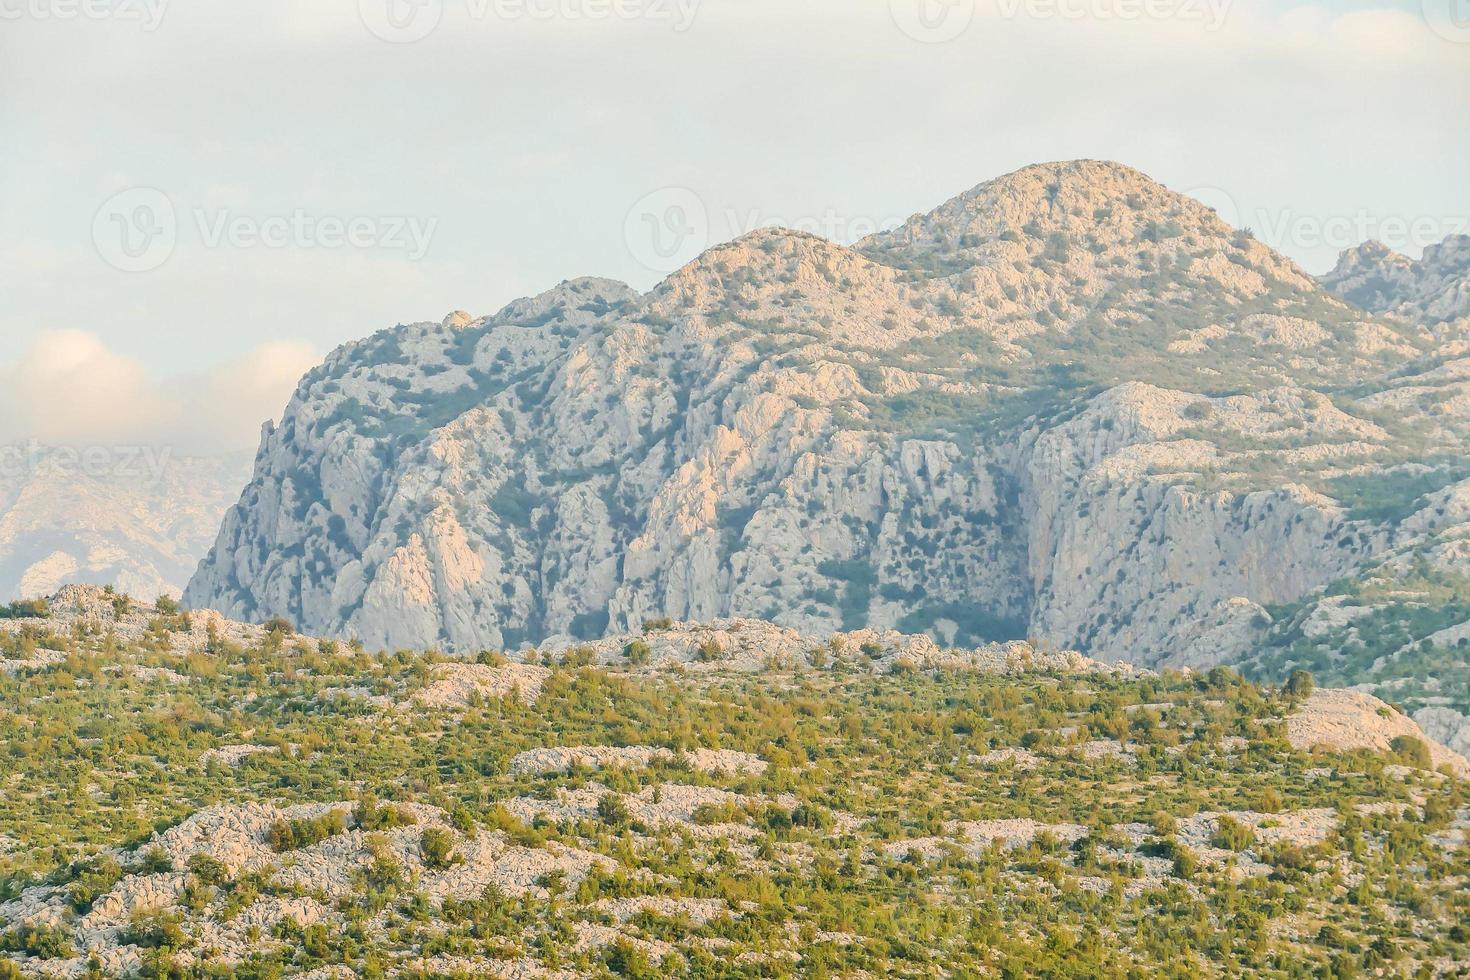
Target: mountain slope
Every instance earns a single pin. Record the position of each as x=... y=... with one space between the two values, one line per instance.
x=187 y=796
x=136 y=517
x=1068 y=403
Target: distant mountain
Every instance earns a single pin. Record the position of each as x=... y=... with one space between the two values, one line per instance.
x=137 y=517
x=1432 y=291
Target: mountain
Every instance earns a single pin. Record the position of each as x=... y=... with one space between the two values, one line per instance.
x=1399 y=623
x=1433 y=291
x=1068 y=404
x=196 y=797
x=139 y=517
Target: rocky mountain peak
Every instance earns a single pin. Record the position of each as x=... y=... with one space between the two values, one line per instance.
x=1104 y=200
x=1435 y=290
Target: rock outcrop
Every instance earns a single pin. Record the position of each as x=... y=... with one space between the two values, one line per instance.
x=1343 y=721
x=1434 y=291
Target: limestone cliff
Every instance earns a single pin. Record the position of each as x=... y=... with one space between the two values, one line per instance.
x=1067 y=404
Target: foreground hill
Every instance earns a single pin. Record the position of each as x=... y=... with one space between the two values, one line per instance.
x=191 y=796
x=1068 y=404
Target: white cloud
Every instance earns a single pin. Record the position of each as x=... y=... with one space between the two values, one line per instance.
x=69 y=388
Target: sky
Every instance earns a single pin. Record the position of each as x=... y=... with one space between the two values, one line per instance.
x=200 y=199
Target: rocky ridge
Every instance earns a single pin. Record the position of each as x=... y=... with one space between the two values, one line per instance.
x=1067 y=404
x=1435 y=290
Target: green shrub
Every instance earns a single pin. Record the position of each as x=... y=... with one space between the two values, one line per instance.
x=1411 y=751
x=1300 y=685
x=370 y=815
x=1233 y=835
x=436 y=847
x=291 y=835
x=94 y=881
x=26 y=609
x=42 y=942
x=153 y=930
x=1186 y=862
x=208 y=870
x=612 y=810
x=155 y=861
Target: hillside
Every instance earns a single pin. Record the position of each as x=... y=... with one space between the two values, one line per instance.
x=1067 y=404
x=138 y=517
x=191 y=796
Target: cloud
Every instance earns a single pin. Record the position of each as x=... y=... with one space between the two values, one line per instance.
x=1303 y=110
x=228 y=404
x=69 y=388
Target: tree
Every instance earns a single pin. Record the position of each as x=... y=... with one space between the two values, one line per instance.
x=1412 y=751
x=1300 y=685
x=437 y=849
x=612 y=811
x=1186 y=863
x=1233 y=835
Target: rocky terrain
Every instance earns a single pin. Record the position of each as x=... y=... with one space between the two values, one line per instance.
x=1068 y=405
x=192 y=796
x=1434 y=291
x=139 y=518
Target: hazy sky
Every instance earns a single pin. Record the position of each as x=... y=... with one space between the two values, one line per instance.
x=202 y=197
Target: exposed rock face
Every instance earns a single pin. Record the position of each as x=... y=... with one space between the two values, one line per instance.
x=137 y=518
x=1346 y=720
x=1068 y=403
x=1435 y=290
